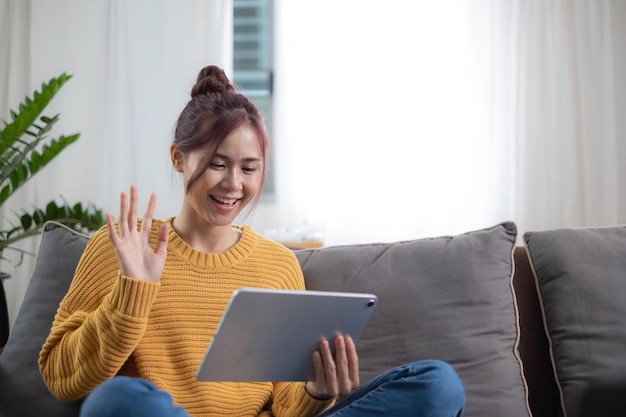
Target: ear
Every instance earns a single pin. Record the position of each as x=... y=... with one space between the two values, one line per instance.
x=177 y=158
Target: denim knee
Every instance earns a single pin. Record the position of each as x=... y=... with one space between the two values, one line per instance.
x=125 y=396
x=444 y=384
x=426 y=388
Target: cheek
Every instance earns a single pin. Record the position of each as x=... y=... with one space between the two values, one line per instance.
x=253 y=184
x=209 y=177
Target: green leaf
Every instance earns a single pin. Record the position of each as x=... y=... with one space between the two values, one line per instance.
x=26 y=221
x=39 y=216
x=78 y=210
x=25 y=149
x=31 y=110
x=4 y=194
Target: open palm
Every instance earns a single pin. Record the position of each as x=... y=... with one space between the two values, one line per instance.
x=136 y=256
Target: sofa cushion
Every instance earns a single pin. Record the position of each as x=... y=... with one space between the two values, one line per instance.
x=581 y=280
x=22 y=390
x=447 y=298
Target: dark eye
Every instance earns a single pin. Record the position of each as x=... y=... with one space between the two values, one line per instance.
x=217 y=165
x=249 y=169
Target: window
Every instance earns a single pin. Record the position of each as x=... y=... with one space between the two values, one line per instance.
x=253 y=61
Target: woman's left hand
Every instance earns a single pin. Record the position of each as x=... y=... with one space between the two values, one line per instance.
x=338 y=375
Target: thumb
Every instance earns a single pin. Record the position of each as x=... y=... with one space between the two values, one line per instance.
x=162 y=238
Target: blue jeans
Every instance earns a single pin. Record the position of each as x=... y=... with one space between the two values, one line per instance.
x=422 y=389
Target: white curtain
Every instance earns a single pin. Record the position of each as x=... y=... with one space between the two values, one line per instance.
x=401 y=119
x=395 y=119
x=133 y=65
x=571 y=148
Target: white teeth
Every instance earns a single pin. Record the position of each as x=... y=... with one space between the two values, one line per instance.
x=228 y=202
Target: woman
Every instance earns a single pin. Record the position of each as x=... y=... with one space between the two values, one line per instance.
x=148 y=294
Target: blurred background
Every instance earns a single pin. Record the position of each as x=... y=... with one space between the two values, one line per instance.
x=390 y=119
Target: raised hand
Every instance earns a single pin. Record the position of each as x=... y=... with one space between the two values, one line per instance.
x=136 y=256
x=338 y=375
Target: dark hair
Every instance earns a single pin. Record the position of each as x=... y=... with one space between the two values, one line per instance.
x=216 y=110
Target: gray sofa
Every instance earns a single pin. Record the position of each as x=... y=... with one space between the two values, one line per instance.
x=532 y=329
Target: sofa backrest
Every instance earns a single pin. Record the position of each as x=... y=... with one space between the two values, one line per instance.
x=22 y=390
x=448 y=298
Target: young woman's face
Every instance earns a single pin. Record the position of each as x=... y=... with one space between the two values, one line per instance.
x=230 y=182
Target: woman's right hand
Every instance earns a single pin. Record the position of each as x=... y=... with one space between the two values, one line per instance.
x=135 y=255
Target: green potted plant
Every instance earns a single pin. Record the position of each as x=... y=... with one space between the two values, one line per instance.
x=25 y=149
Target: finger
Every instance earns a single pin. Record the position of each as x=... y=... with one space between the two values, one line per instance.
x=111 y=227
x=132 y=213
x=123 y=224
x=341 y=362
x=353 y=362
x=162 y=238
x=146 y=223
x=318 y=366
x=330 y=370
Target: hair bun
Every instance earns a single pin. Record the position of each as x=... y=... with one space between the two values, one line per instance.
x=211 y=79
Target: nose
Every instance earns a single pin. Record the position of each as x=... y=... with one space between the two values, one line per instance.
x=232 y=180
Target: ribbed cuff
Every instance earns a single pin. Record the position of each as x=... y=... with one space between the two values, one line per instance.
x=311 y=405
x=134 y=297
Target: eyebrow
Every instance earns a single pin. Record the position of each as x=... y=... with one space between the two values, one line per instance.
x=248 y=159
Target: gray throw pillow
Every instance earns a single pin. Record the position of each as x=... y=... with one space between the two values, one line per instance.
x=581 y=281
x=447 y=298
x=22 y=390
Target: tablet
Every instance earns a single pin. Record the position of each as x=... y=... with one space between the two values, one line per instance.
x=270 y=335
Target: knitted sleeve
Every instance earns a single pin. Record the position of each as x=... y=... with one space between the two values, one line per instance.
x=292 y=400
x=98 y=323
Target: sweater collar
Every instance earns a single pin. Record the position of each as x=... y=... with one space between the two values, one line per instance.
x=230 y=257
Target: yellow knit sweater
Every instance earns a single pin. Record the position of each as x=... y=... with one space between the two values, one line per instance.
x=109 y=324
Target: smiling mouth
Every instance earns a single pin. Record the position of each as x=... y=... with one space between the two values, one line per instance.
x=225 y=201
